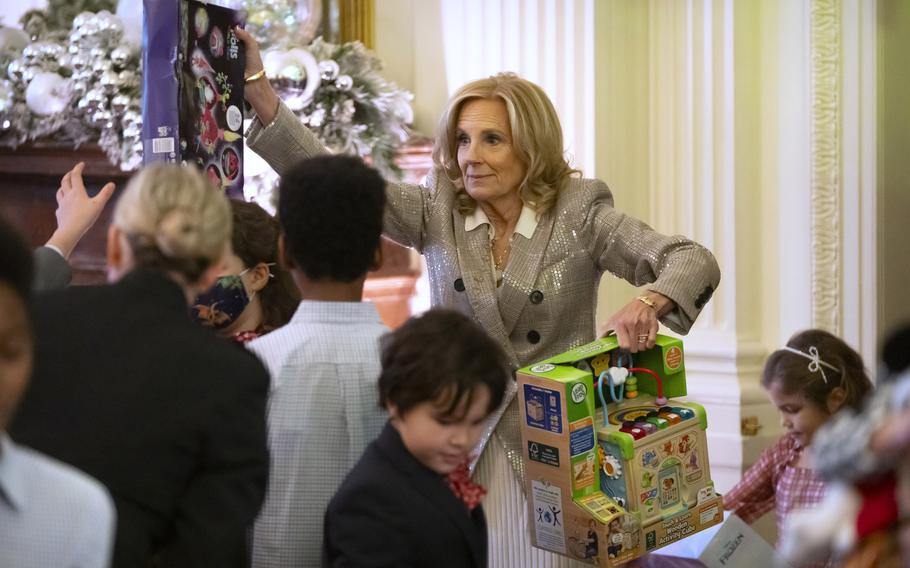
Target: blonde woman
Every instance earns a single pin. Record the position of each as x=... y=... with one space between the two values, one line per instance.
x=129 y=389
x=517 y=240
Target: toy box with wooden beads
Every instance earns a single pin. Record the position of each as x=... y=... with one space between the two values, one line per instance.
x=616 y=464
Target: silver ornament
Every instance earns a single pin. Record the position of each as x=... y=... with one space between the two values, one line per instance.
x=48 y=50
x=5 y=125
x=83 y=75
x=29 y=73
x=30 y=53
x=102 y=119
x=114 y=31
x=14 y=70
x=119 y=56
x=84 y=105
x=329 y=69
x=79 y=88
x=80 y=62
x=131 y=118
x=344 y=82
x=81 y=18
x=119 y=103
x=73 y=49
x=131 y=131
x=109 y=82
x=101 y=66
x=65 y=60
x=129 y=79
x=96 y=98
x=89 y=30
x=97 y=53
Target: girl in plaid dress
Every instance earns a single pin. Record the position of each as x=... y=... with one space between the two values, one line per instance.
x=814 y=376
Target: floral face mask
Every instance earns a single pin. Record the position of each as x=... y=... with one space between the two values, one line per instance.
x=223 y=303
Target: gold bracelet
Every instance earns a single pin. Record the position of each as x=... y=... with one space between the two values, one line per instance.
x=648 y=302
x=255 y=76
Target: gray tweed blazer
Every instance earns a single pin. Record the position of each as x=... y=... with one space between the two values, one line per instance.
x=546 y=303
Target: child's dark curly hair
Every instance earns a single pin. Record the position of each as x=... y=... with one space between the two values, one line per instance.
x=330 y=209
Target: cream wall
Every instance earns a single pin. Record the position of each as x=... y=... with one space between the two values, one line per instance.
x=894 y=180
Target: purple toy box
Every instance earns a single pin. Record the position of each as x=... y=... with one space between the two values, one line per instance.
x=192 y=96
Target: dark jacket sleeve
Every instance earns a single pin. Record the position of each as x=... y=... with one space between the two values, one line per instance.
x=52 y=272
x=358 y=532
x=223 y=498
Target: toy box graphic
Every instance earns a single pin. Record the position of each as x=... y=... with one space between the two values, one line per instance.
x=192 y=100
x=615 y=467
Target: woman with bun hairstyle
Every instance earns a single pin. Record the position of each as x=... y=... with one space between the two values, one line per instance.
x=128 y=388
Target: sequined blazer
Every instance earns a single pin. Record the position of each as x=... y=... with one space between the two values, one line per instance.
x=547 y=301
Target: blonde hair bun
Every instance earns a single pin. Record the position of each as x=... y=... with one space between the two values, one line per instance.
x=177 y=234
x=174 y=219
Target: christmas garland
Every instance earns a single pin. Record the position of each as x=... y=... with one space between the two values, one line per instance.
x=83 y=85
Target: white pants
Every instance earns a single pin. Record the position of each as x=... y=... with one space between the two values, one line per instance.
x=506 y=509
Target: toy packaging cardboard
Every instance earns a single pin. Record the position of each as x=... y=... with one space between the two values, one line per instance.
x=192 y=96
x=736 y=544
x=615 y=467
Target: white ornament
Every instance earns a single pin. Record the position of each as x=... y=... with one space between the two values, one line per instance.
x=47 y=94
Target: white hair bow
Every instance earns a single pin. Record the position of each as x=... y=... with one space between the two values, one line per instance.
x=815 y=362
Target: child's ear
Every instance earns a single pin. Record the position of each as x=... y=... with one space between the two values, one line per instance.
x=836 y=399
x=260 y=277
x=394 y=417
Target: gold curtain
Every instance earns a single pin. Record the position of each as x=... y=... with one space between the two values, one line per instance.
x=349 y=20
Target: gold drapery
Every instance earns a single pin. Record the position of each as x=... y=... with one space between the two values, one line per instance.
x=349 y=20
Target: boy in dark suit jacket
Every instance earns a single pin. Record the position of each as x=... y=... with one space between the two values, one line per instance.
x=409 y=500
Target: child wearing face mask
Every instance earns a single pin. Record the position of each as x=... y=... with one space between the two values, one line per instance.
x=253 y=294
x=809 y=380
x=409 y=501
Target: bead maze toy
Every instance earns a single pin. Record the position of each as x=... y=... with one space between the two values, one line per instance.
x=616 y=467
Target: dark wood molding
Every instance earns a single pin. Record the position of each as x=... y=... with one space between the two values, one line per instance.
x=30 y=176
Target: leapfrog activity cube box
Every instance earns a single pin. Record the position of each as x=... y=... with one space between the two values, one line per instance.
x=616 y=467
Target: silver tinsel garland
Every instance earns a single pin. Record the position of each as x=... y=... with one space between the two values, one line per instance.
x=74 y=88
x=85 y=86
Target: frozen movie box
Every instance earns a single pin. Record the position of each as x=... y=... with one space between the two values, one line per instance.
x=192 y=96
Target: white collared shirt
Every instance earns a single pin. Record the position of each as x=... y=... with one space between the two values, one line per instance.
x=526 y=225
x=323 y=411
x=51 y=514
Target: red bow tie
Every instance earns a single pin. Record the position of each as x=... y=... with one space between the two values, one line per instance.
x=459 y=481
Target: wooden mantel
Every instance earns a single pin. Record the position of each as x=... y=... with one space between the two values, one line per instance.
x=30 y=176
